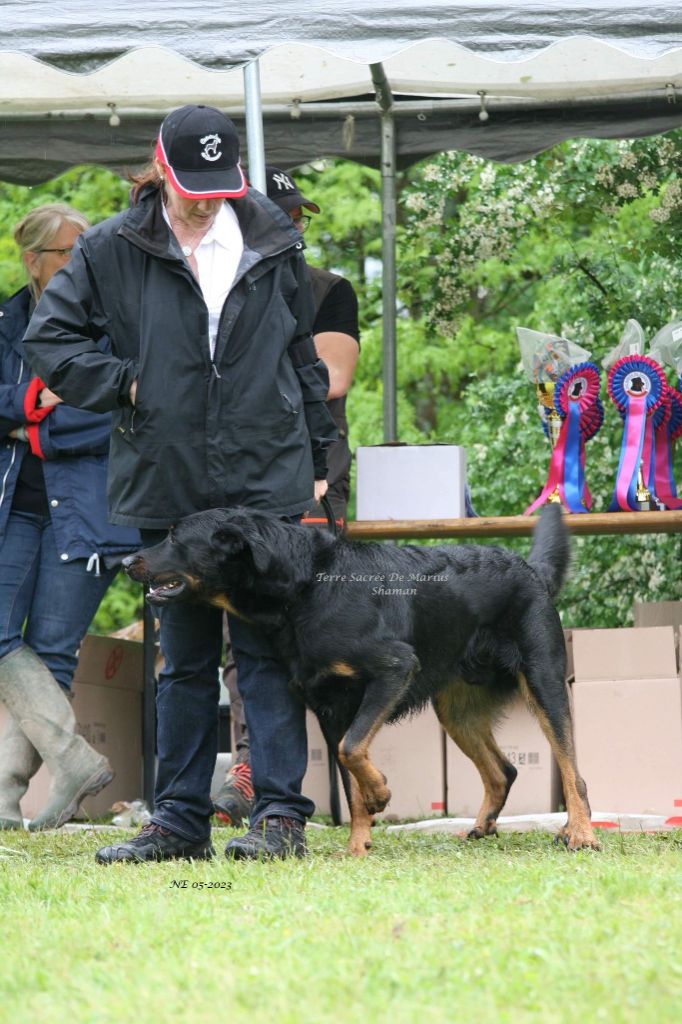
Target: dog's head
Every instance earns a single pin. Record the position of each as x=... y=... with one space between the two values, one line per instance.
x=225 y=557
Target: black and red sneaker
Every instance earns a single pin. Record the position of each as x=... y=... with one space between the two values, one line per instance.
x=235 y=800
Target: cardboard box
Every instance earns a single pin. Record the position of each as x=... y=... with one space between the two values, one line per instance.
x=627 y=701
x=107 y=704
x=642 y=653
x=657 y=613
x=423 y=481
x=537 y=789
x=316 y=783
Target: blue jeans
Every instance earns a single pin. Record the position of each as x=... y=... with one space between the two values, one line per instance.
x=191 y=637
x=55 y=600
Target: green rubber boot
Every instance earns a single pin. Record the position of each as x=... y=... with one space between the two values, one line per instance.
x=19 y=761
x=35 y=698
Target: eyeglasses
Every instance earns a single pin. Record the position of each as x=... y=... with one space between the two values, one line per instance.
x=302 y=222
x=64 y=253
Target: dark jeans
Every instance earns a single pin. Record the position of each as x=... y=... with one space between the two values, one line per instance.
x=45 y=602
x=191 y=638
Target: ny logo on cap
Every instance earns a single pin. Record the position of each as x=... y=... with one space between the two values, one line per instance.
x=210 y=144
x=283 y=181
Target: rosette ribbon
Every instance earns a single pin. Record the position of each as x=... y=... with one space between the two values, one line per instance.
x=667 y=424
x=577 y=403
x=637 y=385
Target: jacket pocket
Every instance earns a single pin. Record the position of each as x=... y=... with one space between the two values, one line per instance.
x=124 y=422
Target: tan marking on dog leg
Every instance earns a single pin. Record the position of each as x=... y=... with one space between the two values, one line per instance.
x=361 y=820
x=577 y=832
x=371 y=782
x=341 y=668
x=475 y=739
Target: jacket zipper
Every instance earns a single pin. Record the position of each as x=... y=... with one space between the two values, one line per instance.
x=14 y=447
x=126 y=233
x=251 y=287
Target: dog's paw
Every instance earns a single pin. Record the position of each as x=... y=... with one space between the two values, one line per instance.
x=359 y=846
x=481 y=833
x=577 y=839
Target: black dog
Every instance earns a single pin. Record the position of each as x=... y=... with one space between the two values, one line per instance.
x=372 y=632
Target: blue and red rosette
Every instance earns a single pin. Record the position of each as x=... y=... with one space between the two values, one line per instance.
x=576 y=400
x=667 y=427
x=638 y=387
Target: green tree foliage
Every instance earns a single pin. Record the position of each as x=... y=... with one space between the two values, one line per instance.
x=573 y=242
x=95 y=192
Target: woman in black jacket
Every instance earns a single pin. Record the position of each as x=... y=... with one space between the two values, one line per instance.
x=218 y=399
x=58 y=552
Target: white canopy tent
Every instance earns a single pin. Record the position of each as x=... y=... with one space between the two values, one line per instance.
x=384 y=84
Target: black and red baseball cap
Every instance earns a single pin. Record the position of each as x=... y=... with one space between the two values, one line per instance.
x=199 y=147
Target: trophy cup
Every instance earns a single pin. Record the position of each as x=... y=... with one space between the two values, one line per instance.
x=567 y=389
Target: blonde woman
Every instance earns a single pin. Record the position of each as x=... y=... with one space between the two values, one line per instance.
x=58 y=553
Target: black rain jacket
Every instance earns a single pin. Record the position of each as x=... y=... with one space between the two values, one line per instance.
x=248 y=428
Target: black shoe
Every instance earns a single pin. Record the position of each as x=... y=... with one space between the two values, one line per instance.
x=155 y=843
x=271 y=837
x=235 y=800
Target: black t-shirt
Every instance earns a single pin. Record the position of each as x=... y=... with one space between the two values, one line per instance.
x=30 y=494
x=339 y=311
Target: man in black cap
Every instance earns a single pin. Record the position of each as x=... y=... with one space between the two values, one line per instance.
x=189 y=284
x=336 y=333
x=337 y=340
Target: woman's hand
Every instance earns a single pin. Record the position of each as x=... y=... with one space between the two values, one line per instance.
x=132 y=394
x=47 y=399
x=321 y=487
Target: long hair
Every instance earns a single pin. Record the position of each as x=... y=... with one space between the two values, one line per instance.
x=40 y=226
x=149 y=175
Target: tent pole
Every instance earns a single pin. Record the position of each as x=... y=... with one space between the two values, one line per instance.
x=384 y=98
x=388 y=275
x=254 y=126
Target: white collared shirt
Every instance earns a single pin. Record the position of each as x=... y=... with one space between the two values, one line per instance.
x=217 y=255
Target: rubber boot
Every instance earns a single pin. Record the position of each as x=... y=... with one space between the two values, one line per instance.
x=39 y=705
x=19 y=761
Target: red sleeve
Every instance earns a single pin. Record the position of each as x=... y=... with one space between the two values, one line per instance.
x=33 y=436
x=32 y=413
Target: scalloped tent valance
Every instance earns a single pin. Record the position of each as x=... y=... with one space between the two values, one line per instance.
x=545 y=72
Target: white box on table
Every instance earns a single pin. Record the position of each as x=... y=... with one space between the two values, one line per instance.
x=410 y=481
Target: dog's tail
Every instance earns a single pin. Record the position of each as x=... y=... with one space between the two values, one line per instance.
x=551 y=552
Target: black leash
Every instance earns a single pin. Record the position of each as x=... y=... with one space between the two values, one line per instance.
x=331 y=518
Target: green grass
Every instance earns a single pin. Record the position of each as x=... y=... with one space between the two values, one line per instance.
x=428 y=928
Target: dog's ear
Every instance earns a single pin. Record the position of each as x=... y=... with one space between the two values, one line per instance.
x=231 y=540
x=228 y=540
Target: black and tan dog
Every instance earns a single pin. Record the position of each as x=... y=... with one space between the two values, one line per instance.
x=372 y=632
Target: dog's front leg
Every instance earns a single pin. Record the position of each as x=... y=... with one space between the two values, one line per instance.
x=391 y=672
x=361 y=820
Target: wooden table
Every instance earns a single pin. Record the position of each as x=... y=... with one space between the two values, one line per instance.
x=514 y=526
